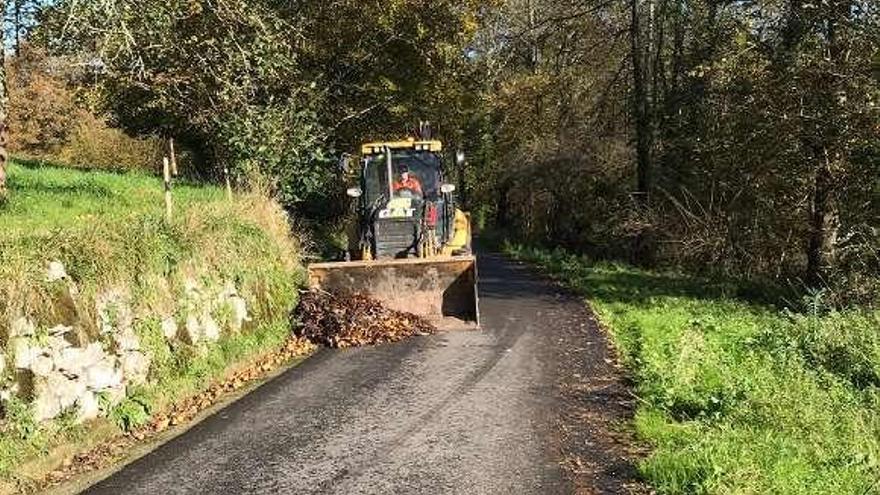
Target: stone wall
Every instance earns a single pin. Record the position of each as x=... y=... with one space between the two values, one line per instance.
x=65 y=368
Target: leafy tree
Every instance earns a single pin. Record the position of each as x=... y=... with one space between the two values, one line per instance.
x=43 y=110
x=260 y=84
x=751 y=126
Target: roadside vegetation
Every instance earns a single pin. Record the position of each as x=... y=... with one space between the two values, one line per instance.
x=109 y=232
x=737 y=396
x=737 y=138
x=721 y=139
x=55 y=115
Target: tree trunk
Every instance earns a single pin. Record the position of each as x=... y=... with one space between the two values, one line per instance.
x=640 y=107
x=824 y=228
x=825 y=212
x=4 y=112
x=17 y=25
x=642 y=252
x=502 y=210
x=534 y=56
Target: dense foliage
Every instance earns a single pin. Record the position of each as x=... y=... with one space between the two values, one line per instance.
x=268 y=87
x=54 y=117
x=737 y=136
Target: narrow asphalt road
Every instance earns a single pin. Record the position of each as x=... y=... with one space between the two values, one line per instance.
x=477 y=412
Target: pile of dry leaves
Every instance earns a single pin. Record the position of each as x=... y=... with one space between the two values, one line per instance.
x=352 y=320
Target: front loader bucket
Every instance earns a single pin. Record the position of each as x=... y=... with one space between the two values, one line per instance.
x=442 y=290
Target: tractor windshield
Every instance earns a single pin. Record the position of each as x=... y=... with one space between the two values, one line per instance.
x=415 y=174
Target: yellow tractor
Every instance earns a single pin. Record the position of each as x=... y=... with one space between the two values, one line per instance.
x=411 y=245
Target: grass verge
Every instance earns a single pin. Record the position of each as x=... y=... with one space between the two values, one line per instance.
x=738 y=397
x=109 y=231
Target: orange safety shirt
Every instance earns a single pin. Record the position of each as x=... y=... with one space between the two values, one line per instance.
x=410 y=183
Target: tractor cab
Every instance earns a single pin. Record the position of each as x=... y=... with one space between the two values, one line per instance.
x=413 y=174
x=406 y=209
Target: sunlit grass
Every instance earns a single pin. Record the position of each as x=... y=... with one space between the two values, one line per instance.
x=110 y=232
x=43 y=198
x=738 y=397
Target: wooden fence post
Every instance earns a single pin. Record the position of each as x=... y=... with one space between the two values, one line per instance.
x=173 y=157
x=228 y=184
x=166 y=172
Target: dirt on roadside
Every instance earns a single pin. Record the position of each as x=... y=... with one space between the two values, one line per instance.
x=118 y=449
x=599 y=449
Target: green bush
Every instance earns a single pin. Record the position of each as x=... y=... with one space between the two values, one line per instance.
x=281 y=144
x=133 y=412
x=845 y=344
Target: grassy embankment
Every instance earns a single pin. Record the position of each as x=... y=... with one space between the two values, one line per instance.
x=738 y=397
x=109 y=232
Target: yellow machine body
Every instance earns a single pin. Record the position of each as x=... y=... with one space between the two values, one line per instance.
x=439 y=282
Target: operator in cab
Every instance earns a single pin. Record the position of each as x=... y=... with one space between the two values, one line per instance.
x=407 y=183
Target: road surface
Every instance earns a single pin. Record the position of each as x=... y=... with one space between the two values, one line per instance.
x=478 y=412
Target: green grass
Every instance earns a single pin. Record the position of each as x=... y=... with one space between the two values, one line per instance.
x=110 y=233
x=43 y=198
x=738 y=397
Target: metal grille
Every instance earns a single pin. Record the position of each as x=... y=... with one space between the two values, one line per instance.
x=395 y=238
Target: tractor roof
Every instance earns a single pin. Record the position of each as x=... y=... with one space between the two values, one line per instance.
x=409 y=144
